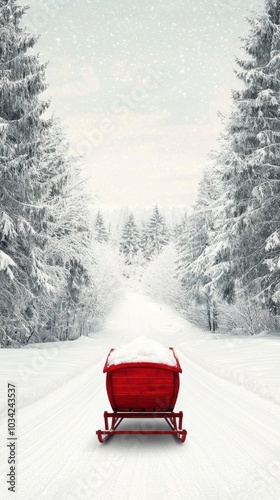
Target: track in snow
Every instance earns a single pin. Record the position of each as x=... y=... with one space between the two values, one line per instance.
x=231 y=451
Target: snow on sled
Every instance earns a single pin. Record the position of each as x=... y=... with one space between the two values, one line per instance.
x=142 y=381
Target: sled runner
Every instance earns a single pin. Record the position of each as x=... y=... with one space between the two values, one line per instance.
x=142 y=390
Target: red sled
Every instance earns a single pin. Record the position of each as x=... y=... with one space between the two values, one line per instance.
x=142 y=390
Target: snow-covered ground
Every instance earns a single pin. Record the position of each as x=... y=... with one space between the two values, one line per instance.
x=229 y=394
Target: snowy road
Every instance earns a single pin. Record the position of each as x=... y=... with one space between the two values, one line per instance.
x=233 y=446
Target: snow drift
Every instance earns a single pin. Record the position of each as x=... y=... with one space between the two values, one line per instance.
x=140 y=350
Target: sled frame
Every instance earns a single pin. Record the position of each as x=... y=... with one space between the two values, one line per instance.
x=174 y=420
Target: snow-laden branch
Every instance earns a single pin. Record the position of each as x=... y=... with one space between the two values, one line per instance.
x=6 y=263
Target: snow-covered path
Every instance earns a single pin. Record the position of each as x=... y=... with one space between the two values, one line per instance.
x=233 y=446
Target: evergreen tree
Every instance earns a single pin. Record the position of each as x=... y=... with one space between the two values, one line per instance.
x=68 y=252
x=250 y=156
x=130 y=240
x=44 y=237
x=198 y=249
x=157 y=235
x=144 y=238
x=179 y=227
x=159 y=277
x=101 y=234
x=22 y=238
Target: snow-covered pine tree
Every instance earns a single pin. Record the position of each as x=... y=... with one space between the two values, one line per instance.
x=157 y=235
x=198 y=249
x=45 y=259
x=144 y=237
x=68 y=252
x=130 y=241
x=101 y=233
x=21 y=126
x=179 y=227
x=250 y=156
x=159 y=277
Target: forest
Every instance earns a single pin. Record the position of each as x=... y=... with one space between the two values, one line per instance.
x=63 y=259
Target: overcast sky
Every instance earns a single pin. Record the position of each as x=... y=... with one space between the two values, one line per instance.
x=139 y=83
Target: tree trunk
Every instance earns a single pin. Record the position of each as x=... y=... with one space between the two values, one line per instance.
x=209 y=315
x=215 y=316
